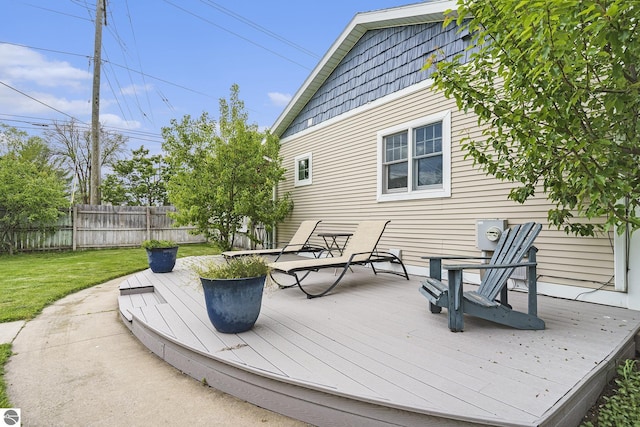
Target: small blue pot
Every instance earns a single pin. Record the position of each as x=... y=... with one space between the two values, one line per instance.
x=233 y=305
x=162 y=260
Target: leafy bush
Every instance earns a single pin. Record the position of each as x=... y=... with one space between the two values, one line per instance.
x=622 y=408
x=158 y=244
x=234 y=268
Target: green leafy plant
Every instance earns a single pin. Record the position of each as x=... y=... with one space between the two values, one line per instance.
x=621 y=408
x=554 y=85
x=138 y=181
x=158 y=244
x=223 y=173
x=235 y=268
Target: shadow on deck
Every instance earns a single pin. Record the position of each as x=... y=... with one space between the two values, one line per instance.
x=371 y=353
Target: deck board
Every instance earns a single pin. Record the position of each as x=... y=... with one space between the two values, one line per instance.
x=373 y=341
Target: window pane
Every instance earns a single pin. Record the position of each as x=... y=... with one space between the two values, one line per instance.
x=303 y=169
x=397 y=175
x=429 y=171
x=428 y=139
x=395 y=147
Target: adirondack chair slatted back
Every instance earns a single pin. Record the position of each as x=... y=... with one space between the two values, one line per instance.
x=512 y=247
x=365 y=239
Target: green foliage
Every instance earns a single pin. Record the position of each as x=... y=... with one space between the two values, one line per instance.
x=30 y=196
x=556 y=83
x=224 y=173
x=235 y=268
x=136 y=182
x=5 y=353
x=158 y=244
x=622 y=409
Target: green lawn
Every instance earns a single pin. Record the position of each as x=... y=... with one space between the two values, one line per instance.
x=30 y=282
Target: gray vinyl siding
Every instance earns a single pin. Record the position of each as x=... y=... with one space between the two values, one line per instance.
x=383 y=61
x=344 y=192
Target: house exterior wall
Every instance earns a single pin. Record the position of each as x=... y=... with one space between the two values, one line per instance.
x=343 y=193
x=382 y=62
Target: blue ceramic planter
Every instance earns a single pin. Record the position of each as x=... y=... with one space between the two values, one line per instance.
x=233 y=305
x=162 y=260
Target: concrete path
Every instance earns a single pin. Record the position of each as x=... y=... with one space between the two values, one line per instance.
x=77 y=365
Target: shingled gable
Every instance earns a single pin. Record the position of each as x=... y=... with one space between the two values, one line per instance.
x=364 y=64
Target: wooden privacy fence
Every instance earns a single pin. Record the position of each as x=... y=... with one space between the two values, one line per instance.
x=102 y=226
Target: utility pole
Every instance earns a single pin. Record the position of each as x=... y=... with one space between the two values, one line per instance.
x=94 y=190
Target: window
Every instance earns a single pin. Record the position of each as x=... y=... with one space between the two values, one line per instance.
x=303 y=170
x=415 y=159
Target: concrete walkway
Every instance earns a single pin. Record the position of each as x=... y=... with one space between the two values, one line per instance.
x=77 y=365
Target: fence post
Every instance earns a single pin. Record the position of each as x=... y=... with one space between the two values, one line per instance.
x=74 y=227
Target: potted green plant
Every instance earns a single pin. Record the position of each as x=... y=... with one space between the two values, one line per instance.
x=233 y=292
x=161 y=254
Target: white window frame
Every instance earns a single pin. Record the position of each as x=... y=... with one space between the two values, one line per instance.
x=302 y=182
x=412 y=193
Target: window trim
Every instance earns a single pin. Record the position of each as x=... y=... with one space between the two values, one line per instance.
x=411 y=193
x=302 y=182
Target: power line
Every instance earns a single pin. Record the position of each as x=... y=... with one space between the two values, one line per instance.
x=59 y=13
x=237 y=35
x=133 y=34
x=40 y=102
x=259 y=28
x=39 y=123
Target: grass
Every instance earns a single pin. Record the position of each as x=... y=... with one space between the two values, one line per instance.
x=30 y=282
x=5 y=352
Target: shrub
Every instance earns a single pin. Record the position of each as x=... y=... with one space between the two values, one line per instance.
x=235 y=268
x=158 y=244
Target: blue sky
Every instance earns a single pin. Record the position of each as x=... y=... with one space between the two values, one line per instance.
x=162 y=59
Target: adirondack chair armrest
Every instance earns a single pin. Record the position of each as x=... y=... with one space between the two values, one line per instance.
x=438 y=257
x=487 y=266
x=435 y=263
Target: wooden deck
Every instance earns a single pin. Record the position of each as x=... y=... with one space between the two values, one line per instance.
x=371 y=353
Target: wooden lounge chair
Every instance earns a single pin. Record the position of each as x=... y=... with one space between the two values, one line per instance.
x=360 y=250
x=299 y=243
x=513 y=245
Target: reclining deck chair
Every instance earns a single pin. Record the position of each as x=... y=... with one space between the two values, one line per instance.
x=360 y=250
x=513 y=245
x=299 y=243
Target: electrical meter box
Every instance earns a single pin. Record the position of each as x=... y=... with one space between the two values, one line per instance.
x=488 y=232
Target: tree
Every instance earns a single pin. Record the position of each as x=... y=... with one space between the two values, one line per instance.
x=71 y=143
x=32 y=190
x=222 y=174
x=137 y=181
x=556 y=83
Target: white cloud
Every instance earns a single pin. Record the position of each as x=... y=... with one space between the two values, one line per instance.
x=112 y=120
x=21 y=64
x=35 y=85
x=40 y=103
x=279 y=99
x=135 y=89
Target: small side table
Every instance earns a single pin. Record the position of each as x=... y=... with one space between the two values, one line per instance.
x=332 y=243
